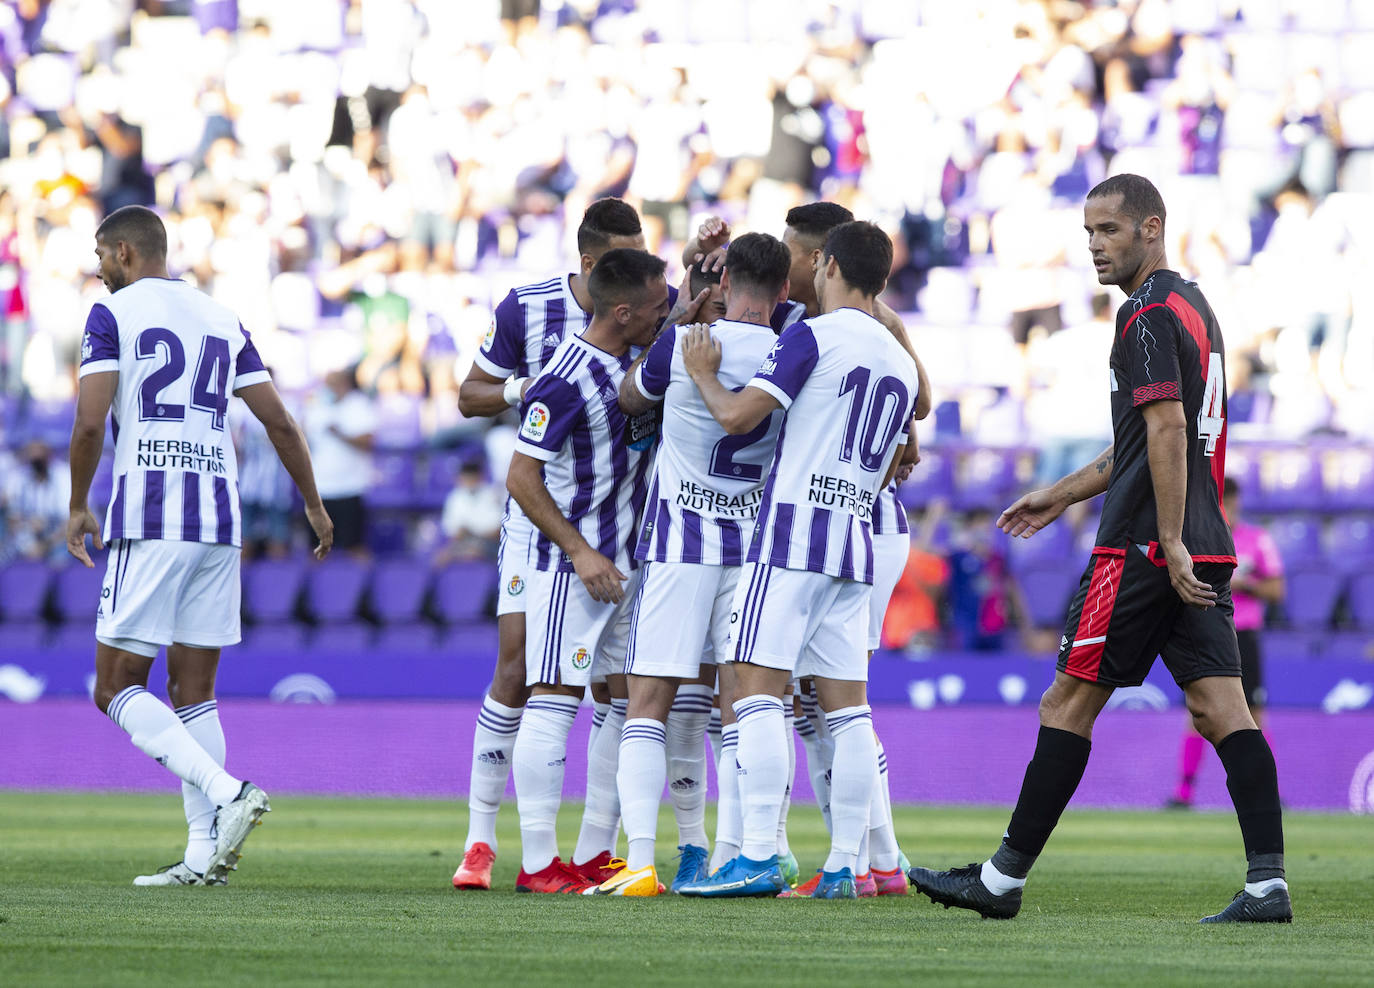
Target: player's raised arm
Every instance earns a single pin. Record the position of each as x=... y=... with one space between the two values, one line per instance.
x=712 y=235
x=737 y=411
x=646 y=381
x=599 y=575
x=266 y=405
x=93 y=399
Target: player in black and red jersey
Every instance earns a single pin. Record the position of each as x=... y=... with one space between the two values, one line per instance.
x=1159 y=579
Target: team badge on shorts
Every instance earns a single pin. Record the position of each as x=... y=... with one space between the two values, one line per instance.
x=536 y=422
x=515 y=587
x=581 y=658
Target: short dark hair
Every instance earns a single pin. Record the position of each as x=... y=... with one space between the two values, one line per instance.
x=621 y=276
x=864 y=254
x=758 y=261
x=604 y=219
x=815 y=220
x=137 y=225
x=1139 y=198
x=702 y=277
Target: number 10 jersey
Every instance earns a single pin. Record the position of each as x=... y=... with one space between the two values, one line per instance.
x=179 y=355
x=707 y=485
x=849 y=390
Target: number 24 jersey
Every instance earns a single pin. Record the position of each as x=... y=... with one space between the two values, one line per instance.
x=179 y=355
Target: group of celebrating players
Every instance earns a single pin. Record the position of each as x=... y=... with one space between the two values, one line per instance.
x=696 y=512
x=702 y=518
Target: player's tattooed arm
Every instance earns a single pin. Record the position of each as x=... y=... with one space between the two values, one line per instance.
x=632 y=400
x=93 y=400
x=1035 y=510
x=599 y=575
x=736 y=411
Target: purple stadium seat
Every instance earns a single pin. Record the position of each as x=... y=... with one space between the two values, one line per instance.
x=406 y=639
x=1348 y=478
x=271 y=587
x=273 y=639
x=1289 y=480
x=985 y=478
x=1048 y=587
x=1312 y=591
x=398 y=590
x=75 y=639
x=335 y=588
x=23 y=590
x=470 y=642
x=1053 y=543
x=1361 y=600
x=1298 y=538
x=398 y=422
x=349 y=638
x=393 y=483
x=1350 y=543
x=461 y=591
x=932 y=480
x=76 y=594
x=1348 y=645
x=1280 y=645
x=23 y=638
x=1242 y=466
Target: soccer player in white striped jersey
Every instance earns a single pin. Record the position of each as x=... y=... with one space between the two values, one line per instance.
x=801 y=605
x=528 y=326
x=164 y=358
x=702 y=504
x=580 y=472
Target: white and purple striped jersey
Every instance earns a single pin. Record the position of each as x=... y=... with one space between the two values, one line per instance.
x=179 y=355
x=849 y=390
x=785 y=314
x=596 y=461
x=528 y=326
x=707 y=485
x=889 y=517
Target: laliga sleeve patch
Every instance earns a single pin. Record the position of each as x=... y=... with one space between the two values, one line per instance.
x=490 y=338
x=536 y=422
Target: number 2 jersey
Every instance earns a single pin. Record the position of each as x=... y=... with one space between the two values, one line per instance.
x=179 y=355
x=1168 y=346
x=707 y=485
x=849 y=390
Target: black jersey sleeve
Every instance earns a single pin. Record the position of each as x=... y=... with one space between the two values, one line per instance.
x=1149 y=349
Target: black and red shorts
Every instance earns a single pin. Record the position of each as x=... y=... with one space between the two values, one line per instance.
x=1126 y=613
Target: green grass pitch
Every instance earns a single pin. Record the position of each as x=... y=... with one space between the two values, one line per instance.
x=356 y=891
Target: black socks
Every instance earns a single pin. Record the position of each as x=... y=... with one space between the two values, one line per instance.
x=1052 y=776
x=1254 y=786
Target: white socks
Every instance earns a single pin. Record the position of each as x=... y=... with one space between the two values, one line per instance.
x=159 y=733
x=729 y=825
x=853 y=775
x=601 y=816
x=713 y=735
x=998 y=883
x=640 y=777
x=202 y=723
x=1260 y=889
x=686 y=733
x=762 y=761
x=788 y=729
x=541 y=751
x=493 y=750
x=882 y=839
x=820 y=751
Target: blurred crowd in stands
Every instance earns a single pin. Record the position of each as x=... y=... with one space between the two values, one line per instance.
x=361 y=180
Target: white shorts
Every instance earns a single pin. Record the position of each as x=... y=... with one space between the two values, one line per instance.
x=681 y=619
x=513 y=565
x=889 y=559
x=809 y=624
x=571 y=639
x=158 y=592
